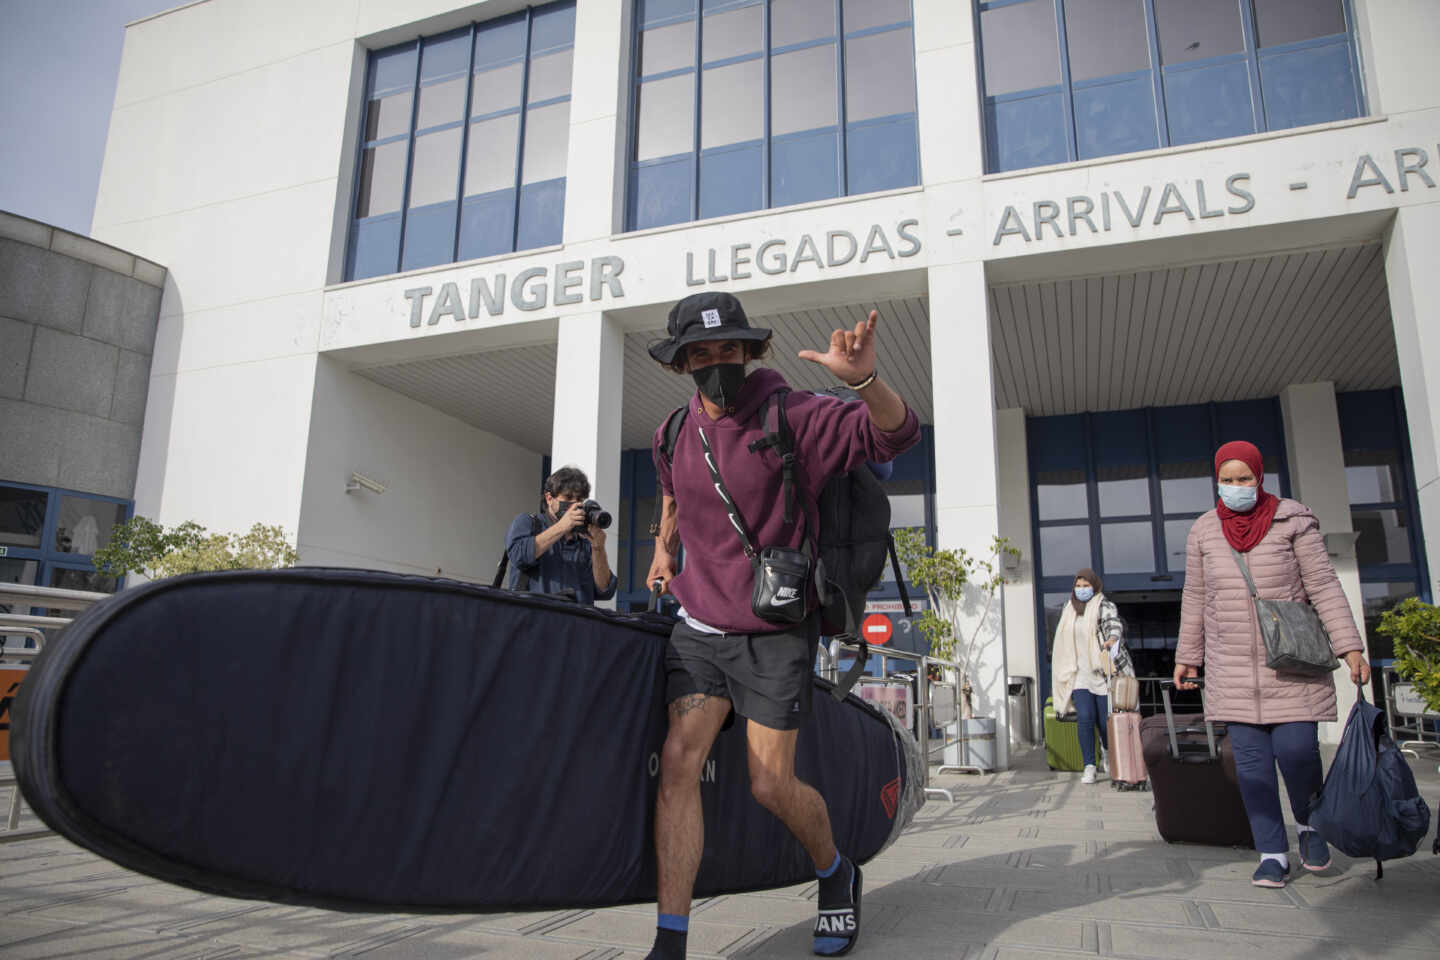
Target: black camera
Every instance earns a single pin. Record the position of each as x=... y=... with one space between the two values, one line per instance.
x=596 y=515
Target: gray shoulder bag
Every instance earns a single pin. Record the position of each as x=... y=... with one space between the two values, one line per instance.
x=1296 y=640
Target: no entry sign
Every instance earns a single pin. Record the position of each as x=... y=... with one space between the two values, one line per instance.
x=876 y=628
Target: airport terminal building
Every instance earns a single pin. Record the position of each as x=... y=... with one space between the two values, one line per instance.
x=429 y=244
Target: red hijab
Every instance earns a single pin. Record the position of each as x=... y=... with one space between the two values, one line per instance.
x=1244 y=530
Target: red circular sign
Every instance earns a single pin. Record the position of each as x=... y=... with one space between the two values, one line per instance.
x=876 y=629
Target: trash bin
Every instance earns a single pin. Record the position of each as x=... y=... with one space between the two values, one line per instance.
x=1019 y=691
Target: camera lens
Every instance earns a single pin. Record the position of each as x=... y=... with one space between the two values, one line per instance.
x=597 y=515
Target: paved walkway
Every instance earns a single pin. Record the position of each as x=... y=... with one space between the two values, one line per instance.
x=1026 y=864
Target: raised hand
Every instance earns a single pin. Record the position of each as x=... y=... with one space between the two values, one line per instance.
x=851 y=357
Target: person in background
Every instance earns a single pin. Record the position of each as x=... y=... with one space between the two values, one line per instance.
x=1270 y=717
x=1087 y=652
x=556 y=551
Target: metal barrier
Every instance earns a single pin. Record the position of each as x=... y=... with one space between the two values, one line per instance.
x=1408 y=723
x=33 y=627
x=925 y=712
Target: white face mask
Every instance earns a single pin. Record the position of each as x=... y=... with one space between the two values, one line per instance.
x=1083 y=594
x=1238 y=498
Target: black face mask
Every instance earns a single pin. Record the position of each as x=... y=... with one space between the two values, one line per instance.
x=720 y=383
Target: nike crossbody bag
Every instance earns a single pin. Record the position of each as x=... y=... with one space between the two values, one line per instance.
x=780 y=594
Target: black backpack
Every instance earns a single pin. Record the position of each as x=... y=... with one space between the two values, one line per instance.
x=854 y=527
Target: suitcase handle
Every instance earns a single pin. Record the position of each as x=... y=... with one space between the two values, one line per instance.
x=1165 y=686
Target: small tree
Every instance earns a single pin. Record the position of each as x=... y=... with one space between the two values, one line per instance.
x=944 y=575
x=141 y=545
x=1414 y=628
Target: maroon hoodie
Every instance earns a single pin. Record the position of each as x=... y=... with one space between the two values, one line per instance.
x=831 y=438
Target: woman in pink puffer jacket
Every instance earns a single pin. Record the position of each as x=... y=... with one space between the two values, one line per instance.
x=1271 y=717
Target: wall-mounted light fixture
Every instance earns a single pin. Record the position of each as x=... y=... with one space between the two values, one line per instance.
x=359 y=481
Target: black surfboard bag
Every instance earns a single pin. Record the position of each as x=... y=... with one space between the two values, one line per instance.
x=378 y=742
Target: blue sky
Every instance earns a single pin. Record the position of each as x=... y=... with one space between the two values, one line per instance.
x=58 y=63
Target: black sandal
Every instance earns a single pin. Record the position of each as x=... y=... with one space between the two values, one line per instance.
x=838 y=925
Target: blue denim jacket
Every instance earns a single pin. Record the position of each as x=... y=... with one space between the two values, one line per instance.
x=563 y=569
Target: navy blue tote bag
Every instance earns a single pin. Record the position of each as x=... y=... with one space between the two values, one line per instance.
x=1369 y=805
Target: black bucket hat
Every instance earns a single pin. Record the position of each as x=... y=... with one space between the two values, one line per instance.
x=705 y=316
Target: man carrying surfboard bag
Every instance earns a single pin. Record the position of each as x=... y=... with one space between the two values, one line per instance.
x=745 y=640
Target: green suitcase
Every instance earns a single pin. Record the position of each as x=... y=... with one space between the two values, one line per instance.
x=1062 y=741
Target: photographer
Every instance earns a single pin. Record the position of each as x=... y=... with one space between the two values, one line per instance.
x=557 y=551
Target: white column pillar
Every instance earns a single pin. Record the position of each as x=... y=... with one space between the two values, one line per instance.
x=1013 y=492
x=595 y=161
x=1411 y=252
x=967 y=510
x=1317 y=479
x=948 y=90
x=589 y=384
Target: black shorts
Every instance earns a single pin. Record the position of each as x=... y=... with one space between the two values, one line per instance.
x=766 y=676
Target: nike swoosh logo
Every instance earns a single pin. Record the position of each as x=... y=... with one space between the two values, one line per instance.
x=781 y=603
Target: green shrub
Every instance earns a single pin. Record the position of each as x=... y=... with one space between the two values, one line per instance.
x=1414 y=628
x=141 y=545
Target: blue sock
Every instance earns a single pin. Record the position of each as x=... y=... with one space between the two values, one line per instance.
x=830 y=870
x=673 y=921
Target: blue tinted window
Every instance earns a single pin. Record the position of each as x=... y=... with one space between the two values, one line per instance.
x=1076 y=79
x=724 y=122
x=464 y=142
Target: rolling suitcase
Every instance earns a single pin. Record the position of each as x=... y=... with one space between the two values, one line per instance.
x=1127 y=757
x=1192 y=774
x=1062 y=741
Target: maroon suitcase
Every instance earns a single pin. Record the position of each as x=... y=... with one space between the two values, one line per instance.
x=1192 y=774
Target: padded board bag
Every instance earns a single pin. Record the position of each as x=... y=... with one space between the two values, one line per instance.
x=1192 y=774
x=379 y=742
x=1369 y=805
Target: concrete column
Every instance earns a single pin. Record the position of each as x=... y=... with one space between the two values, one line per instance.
x=586 y=431
x=1317 y=479
x=1013 y=491
x=1397 y=45
x=967 y=512
x=595 y=164
x=948 y=89
x=1410 y=254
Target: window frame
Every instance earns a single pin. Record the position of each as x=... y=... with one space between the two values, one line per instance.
x=465 y=123
x=691 y=160
x=45 y=556
x=1252 y=56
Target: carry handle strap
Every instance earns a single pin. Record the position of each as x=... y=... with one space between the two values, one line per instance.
x=778 y=435
x=523 y=584
x=736 y=521
x=1244 y=572
x=899 y=580
x=1165 y=686
x=849 y=634
x=671 y=434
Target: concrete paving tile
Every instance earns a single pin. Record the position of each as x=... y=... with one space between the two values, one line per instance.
x=1321 y=923
x=1153 y=908
x=16 y=930
x=1186 y=944
x=757 y=909
x=1397 y=893
x=633 y=930
x=118 y=944
x=793 y=943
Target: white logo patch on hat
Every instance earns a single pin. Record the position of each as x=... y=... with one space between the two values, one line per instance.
x=711 y=318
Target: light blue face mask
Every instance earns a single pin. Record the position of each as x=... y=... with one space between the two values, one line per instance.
x=1238 y=498
x=1083 y=594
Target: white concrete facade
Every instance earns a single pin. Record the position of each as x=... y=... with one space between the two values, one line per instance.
x=231 y=159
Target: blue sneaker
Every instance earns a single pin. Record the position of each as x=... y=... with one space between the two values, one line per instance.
x=1270 y=874
x=1314 y=851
